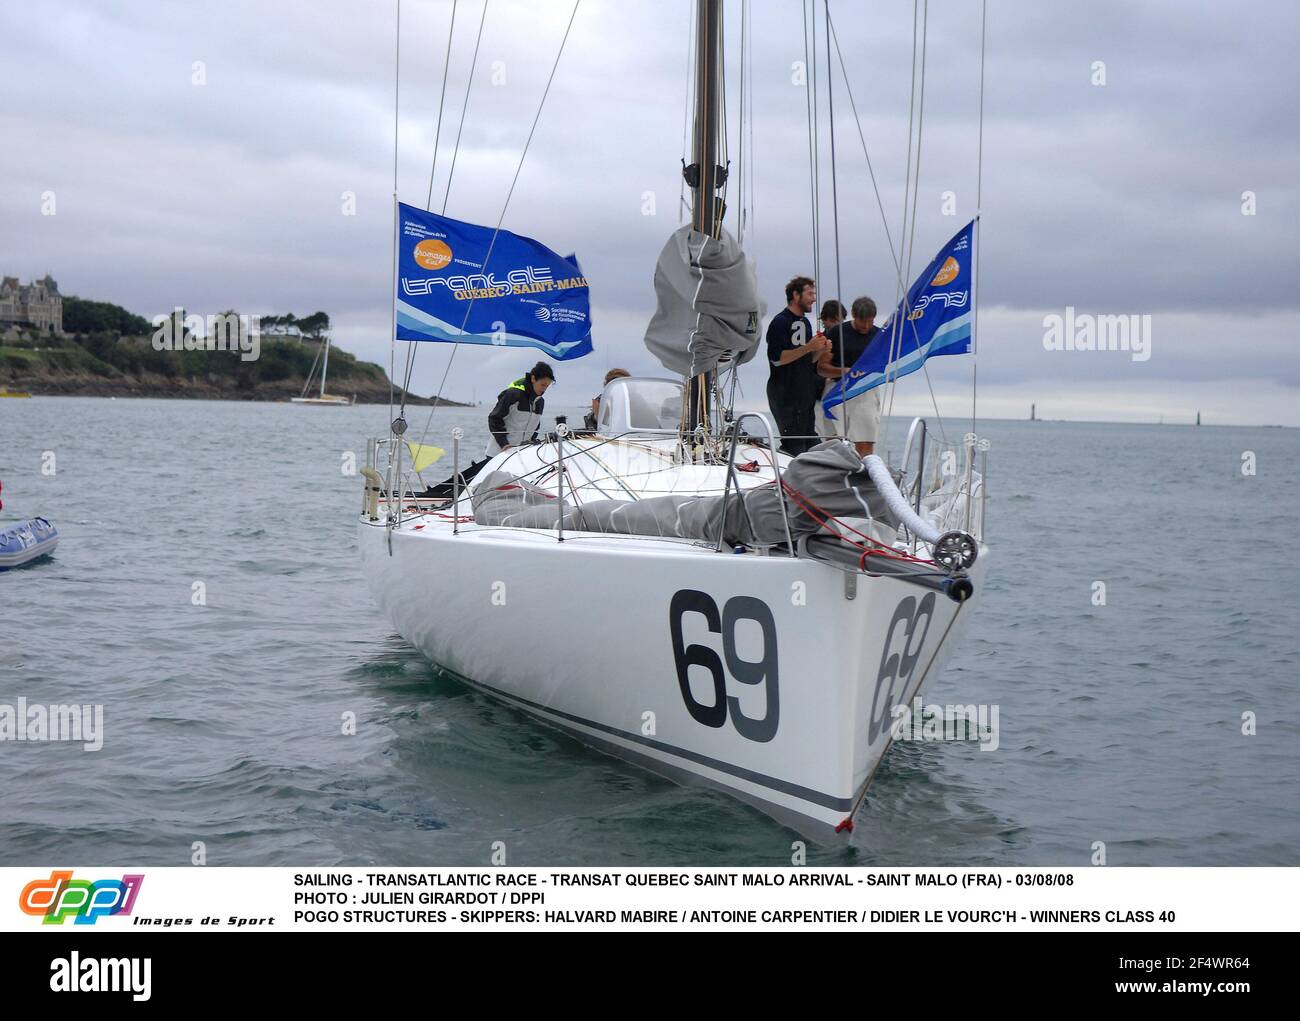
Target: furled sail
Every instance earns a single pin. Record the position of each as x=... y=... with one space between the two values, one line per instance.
x=708 y=307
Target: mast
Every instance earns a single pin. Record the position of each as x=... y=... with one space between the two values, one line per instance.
x=705 y=176
x=326 y=367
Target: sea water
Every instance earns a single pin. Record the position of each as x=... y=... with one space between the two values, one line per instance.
x=259 y=710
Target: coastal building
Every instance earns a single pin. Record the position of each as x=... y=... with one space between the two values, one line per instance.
x=37 y=305
x=282 y=331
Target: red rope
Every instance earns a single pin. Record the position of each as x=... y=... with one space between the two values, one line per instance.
x=824 y=518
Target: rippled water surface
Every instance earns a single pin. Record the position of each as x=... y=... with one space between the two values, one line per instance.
x=1119 y=723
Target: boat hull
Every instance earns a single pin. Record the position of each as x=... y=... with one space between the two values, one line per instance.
x=757 y=675
x=27 y=541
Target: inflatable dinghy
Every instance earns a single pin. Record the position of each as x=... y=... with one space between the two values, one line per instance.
x=24 y=541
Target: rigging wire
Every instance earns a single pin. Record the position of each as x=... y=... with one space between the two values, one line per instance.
x=505 y=206
x=740 y=129
x=835 y=199
x=409 y=366
x=817 y=146
x=875 y=186
x=916 y=184
x=979 y=209
x=895 y=338
x=911 y=245
x=842 y=422
x=392 y=332
x=749 y=48
x=473 y=63
x=442 y=101
x=812 y=151
x=880 y=205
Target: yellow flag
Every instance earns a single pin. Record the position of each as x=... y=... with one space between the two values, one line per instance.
x=422 y=455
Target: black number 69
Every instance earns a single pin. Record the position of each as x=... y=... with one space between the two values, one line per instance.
x=763 y=671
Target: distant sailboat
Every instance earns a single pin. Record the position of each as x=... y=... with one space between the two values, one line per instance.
x=1033 y=408
x=1198 y=418
x=324 y=398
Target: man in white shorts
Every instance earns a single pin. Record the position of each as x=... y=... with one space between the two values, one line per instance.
x=857 y=419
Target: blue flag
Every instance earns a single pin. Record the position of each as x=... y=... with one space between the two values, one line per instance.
x=938 y=322
x=526 y=297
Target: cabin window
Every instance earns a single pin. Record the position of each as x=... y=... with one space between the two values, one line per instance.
x=641 y=405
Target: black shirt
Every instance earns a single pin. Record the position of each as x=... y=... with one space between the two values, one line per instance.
x=847 y=344
x=797 y=382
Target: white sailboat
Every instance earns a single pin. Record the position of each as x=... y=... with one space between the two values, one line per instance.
x=739 y=618
x=333 y=400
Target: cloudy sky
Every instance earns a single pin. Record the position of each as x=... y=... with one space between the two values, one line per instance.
x=198 y=154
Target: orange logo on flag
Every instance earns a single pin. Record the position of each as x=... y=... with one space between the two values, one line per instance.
x=947 y=273
x=432 y=254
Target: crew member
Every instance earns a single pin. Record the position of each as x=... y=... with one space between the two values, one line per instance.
x=858 y=418
x=793 y=385
x=518 y=412
x=831 y=315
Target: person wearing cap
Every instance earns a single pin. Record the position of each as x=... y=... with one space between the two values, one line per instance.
x=518 y=412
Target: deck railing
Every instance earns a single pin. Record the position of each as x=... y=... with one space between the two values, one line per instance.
x=941 y=468
x=946 y=467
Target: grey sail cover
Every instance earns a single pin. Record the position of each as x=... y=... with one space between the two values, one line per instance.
x=708 y=307
x=830 y=477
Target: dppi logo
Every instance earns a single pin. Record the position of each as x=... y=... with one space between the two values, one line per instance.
x=60 y=896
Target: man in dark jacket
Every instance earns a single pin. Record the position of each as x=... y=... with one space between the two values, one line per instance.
x=518 y=412
x=793 y=385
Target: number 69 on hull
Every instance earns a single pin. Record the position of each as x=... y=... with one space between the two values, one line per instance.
x=766 y=677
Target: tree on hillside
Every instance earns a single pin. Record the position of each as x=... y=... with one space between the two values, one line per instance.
x=315 y=325
x=83 y=316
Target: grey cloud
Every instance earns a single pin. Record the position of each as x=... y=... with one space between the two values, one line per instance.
x=1122 y=198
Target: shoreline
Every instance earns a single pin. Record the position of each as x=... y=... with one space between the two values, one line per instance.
x=369 y=401
x=367 y=392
